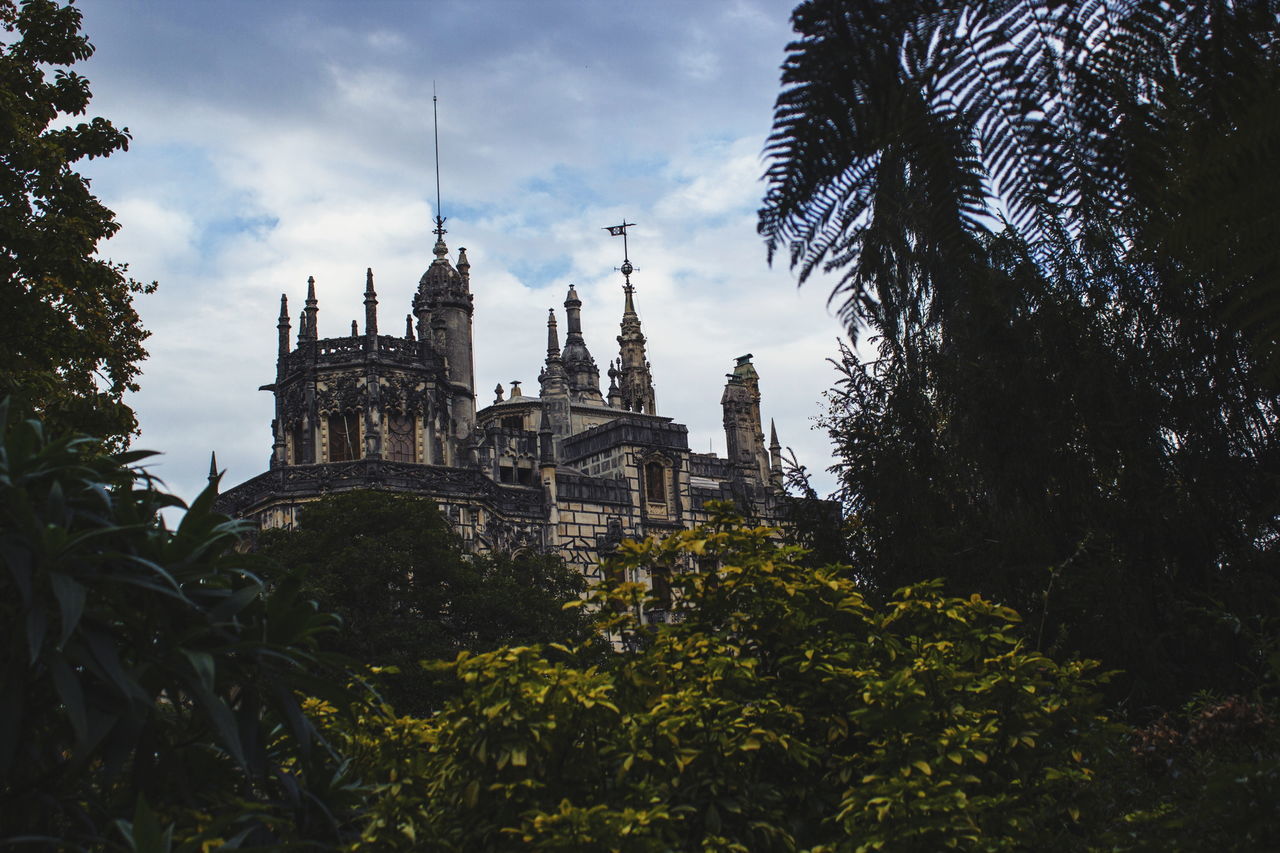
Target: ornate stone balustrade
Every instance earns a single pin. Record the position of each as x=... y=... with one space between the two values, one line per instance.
x=302 y=482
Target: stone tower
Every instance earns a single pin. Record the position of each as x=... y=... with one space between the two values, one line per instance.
x=630 y=382
x=444 y=308
x=743 y=430
x=579 y=366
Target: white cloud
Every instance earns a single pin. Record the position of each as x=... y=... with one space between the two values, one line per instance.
x=293 y=139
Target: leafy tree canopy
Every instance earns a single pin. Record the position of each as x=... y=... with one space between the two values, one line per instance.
x=394 y=571
x=1052 y=218
x=778 y=710
x=70 y=340
x=1101 y=128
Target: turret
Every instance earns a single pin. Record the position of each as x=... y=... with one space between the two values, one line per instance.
x=282 y=325
x=370 y=310
x=554 y=383
x=444 y=295
x=311 y=313
x=744 y=436
x=579 y=366
x=775 y=456
x=635 y=382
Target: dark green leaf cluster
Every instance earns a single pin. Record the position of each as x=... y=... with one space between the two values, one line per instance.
x=143 y=664
x=70 y=340
x=1052 y=218
x=393 y=570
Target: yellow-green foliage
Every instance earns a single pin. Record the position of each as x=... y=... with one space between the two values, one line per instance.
x=780 y=710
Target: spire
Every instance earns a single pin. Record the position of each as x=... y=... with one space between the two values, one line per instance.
x=629 y=307
x=580 y=368
x=553 y=337
x=635 y=382
x=573 y=311
x=439 y=231
x=370 y=305
x=464 y=265
x=213 y=468
x=282 y=325
x=552 y=380
x=775 y=455
x=615 y=396
x=312 y=310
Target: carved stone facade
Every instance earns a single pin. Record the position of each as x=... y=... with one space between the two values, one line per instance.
x=572 y=470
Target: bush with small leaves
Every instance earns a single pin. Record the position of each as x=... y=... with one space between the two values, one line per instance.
x=776 y=709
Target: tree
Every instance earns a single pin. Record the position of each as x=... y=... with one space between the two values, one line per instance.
x=907 y=129
x=70 y=340
x=778 y=710
x=145 y=673
x=1071 y=409
x=392 y=568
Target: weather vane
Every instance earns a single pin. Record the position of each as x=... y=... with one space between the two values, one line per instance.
x=435 y=128
x=621 y=231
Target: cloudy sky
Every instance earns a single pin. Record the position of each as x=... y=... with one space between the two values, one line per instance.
x=277 y=140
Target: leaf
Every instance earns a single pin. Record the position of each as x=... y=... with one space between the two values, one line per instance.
x=71 y=598
x=70 y=693
x=202 y=663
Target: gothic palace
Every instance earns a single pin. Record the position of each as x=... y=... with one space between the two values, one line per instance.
x=572 y=470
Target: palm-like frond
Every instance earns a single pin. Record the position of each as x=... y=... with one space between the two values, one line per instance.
x=1051 y=117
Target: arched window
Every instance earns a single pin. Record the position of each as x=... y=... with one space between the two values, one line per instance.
x=655 y=482
x=298 y=445
x=344 y=437
x=402 y=439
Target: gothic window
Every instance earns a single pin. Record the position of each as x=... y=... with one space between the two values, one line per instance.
x=297 y=445
x=655 y=482
x=344 y=437
x=402 y=444
x=660 y=581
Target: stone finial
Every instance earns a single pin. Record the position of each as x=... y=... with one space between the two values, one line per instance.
x=515 y=389
x=553 y=336
x=312 y=327
x=355 y=331
x=464 y=265
x=213 y=468
x=282 y=325
x=408 y=327
x=370 y=305
x=498 y=393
